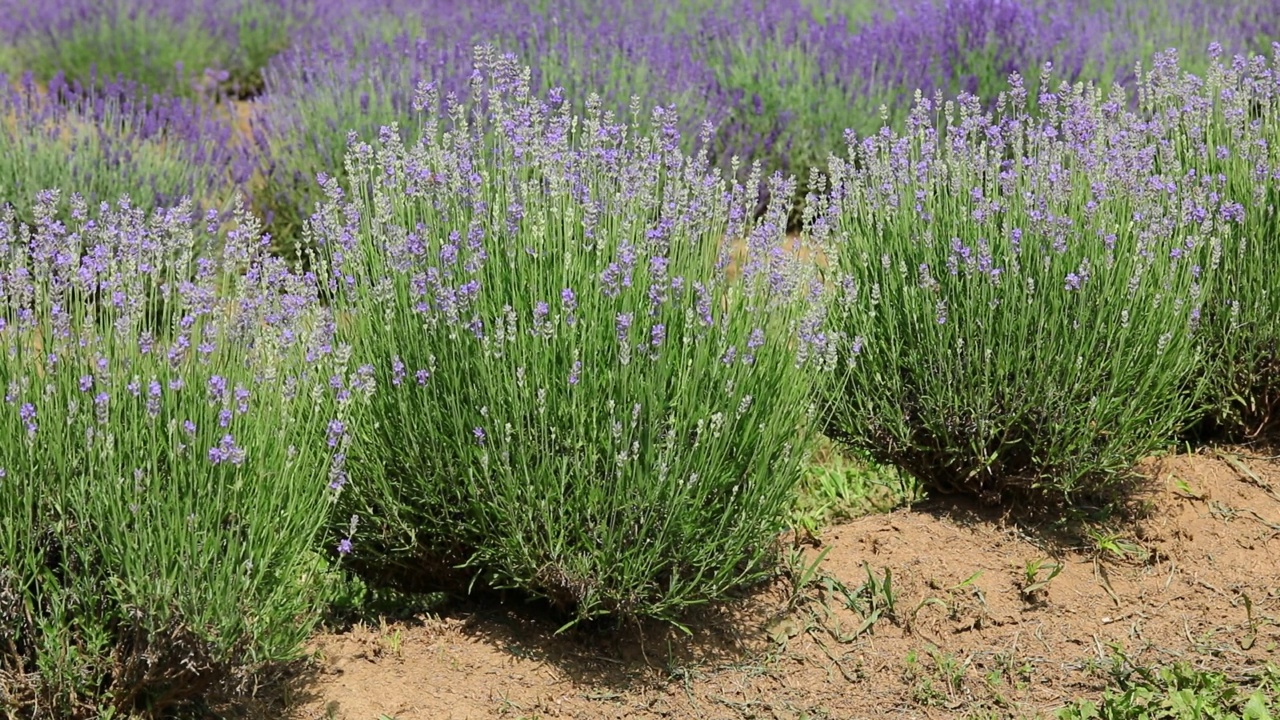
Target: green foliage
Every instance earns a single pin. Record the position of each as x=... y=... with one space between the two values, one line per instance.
x=1034 y=581
x=577 y=400
x=837 y=486
x=1181 y=692
x=163 y=461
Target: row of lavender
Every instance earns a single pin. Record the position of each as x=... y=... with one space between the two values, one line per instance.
x=780 y=80
x=522 y=356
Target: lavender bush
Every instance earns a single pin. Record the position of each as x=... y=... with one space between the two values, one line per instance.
x=1017 y=296
x=171 y=437
x=107 y=143
x=576 y=396
x=1225 y=126
x=168 y=46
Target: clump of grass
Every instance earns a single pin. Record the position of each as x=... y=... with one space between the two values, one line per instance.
x=1016 y=297
x=838 y=486
x=171 y=444
x=579 y=403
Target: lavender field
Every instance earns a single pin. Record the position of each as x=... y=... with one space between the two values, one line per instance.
x=311 y=308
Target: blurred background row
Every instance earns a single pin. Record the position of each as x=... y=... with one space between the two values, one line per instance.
x=161 y=98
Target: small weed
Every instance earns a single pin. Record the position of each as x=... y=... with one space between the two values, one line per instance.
x=1033 y=585
x=1010 y=671
x=923 y=691
x=392 y=639
x=507 y=706
x=950 y=670
x=940 y=686
x=952 y=604
x=1117 y=546
x=1184 y=489
x=802 y=574
x=873 y=599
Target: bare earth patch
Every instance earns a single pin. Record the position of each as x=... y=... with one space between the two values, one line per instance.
x=962 y=630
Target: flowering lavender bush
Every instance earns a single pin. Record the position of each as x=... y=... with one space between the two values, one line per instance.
x=174 y=47
x=1225 y=125
x=1017 y=295
x=107 y=143
x=575 y=398
x=363 y=80
x=169 y=434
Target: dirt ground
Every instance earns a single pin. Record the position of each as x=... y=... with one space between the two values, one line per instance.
x=956 y=635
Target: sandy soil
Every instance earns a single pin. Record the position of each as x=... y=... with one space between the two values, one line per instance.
x=1194 y=580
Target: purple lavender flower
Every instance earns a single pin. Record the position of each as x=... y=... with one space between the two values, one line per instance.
x=226 y=451
x=27 y=413
x=338 y=473
x=86 y=383
x=480 y=435
x=363 y=380
x=658 y=335
x=336 y=430
x=344 y=546
x=623 y=324
x=217 y=388
x=397 y=370
x=153 y=398
x=611 y=280
x=100 y=405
